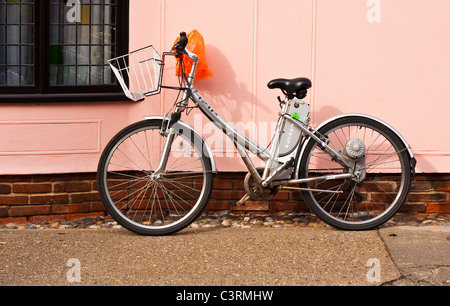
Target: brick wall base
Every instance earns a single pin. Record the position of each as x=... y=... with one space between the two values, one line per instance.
x=38 y=198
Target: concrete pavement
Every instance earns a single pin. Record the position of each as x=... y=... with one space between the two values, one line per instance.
x=227 y=257
x=421 y=254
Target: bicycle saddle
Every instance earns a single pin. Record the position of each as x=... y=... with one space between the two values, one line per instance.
x=292 y=88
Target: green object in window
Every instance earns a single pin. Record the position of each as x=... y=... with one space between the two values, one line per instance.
x=56 y=55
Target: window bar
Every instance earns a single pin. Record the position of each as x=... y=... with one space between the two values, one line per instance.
x=60 y=63
x=6 y=44
x=89 y=81
x=76 y=43
x=20 y=44
x=5 y=81
x=103 y=42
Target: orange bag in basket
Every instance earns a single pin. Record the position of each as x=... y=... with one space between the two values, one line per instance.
x=196 y=45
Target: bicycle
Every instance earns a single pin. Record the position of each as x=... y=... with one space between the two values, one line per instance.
x=155 y=177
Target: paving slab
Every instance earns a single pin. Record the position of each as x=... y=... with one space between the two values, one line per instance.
x=196 y=257
x=422 y=254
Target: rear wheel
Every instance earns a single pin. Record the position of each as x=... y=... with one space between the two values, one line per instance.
x=148 y=203
x=358 y=205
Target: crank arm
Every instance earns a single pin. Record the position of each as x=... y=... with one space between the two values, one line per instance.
x=242 y=201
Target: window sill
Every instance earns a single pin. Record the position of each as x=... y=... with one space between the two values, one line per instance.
x=61 y=98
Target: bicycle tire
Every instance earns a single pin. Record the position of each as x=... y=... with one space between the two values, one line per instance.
x=154 y=205
x=360 y=206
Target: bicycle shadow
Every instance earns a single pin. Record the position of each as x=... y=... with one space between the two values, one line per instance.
x=325 y=113
x=230 y=98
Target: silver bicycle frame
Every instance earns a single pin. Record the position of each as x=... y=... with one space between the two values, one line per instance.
x=243 y=144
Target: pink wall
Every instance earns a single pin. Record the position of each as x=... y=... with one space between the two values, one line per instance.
x=386 y=58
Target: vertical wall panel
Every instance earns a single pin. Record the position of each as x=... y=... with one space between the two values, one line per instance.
x=389 y=59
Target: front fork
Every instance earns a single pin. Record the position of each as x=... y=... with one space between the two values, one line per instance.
x=165 y=155
x=167 y=131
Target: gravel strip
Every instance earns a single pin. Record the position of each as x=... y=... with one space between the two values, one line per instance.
x=227 y=219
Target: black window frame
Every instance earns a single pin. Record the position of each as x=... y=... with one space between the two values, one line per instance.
x=42 y=91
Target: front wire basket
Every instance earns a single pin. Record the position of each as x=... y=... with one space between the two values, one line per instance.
x=140 y=73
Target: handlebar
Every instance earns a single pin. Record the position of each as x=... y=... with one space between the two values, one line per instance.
x=181 y=49
x=181 y=44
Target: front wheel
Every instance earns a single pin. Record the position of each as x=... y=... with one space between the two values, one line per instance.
x=150 y=203
x=357 y=205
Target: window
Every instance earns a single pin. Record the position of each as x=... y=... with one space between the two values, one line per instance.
x=16 y=43
x=57 y=49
